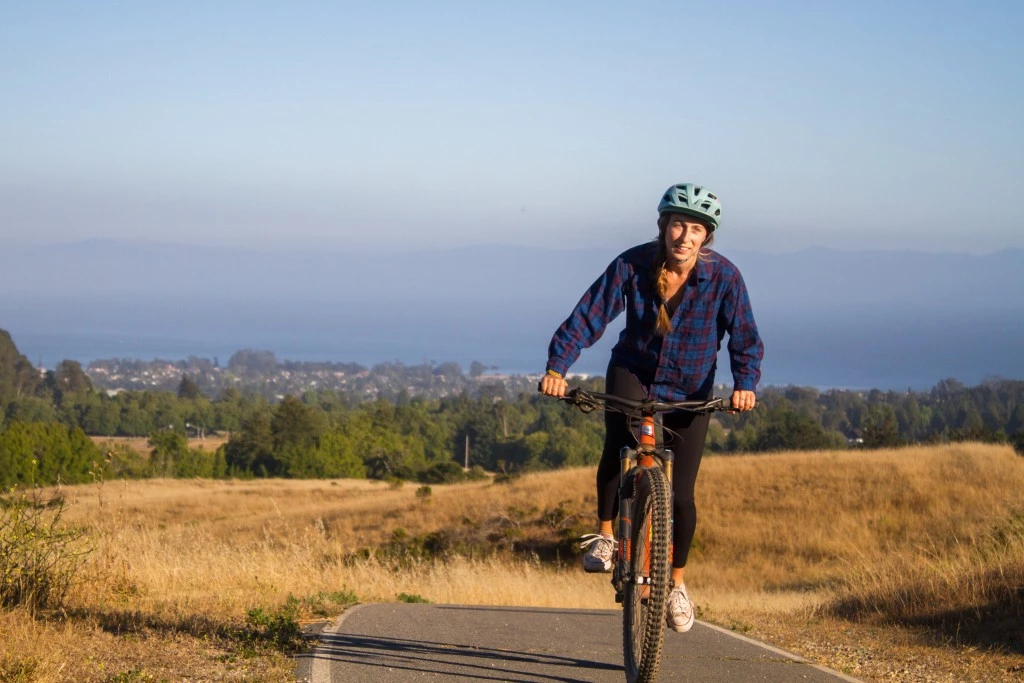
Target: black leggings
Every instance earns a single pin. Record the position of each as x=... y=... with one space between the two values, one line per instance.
x=688 y=446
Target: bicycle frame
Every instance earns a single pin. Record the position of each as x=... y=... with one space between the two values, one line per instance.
x=648 y=447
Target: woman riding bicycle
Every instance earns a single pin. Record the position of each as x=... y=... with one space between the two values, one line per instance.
x=680 y=300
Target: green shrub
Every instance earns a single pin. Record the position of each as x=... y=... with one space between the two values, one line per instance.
x=39 y=557
x=18 y=669
x=476 y=473
x=412 y=598
x=324 y=604
x=121 y=461
x=278 y=627
x=1017 y=440
x=447 y=472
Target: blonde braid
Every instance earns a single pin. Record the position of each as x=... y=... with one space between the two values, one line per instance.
x=664 y=324
x=664 y=319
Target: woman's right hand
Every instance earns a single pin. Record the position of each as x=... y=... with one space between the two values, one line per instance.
x=553 y=386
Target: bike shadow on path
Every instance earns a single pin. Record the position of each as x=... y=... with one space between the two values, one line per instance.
x=526 y=610
x=465 y=661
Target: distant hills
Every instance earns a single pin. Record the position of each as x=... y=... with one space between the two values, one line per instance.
x=816 y=278
x=853 y=318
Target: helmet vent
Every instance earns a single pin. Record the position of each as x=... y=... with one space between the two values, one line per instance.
x=691 y=200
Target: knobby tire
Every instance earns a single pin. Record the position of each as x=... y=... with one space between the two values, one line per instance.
x=643 y=618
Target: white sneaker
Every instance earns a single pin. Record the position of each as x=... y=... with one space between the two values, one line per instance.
x=679 y=613
x=600 y=549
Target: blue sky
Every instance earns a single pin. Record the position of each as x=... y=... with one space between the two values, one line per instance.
x=890 y=125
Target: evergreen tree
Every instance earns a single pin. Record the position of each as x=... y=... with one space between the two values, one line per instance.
x=188 y=389
x=251 y=449
x=880 y=428
x=339 y=456
x=18 y=378
x=45 y=453
x=168 y=449
x=786 y=429
x=296 y=424
x=69 y=379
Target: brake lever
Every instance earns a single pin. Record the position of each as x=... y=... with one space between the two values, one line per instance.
x=581 y=400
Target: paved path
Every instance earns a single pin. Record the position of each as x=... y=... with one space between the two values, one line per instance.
x=381 y=643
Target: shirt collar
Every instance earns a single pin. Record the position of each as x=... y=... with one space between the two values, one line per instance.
x=704 y=269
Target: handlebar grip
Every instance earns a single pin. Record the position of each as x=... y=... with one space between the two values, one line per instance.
x=570 y=395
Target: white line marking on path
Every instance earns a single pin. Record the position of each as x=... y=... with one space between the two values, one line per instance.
x=783 y=653
x=320 y=672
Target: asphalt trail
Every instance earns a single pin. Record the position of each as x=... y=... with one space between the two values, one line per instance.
x=388 y=642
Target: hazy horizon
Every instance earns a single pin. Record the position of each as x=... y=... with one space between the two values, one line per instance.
x=882 y=319
x=623 y=238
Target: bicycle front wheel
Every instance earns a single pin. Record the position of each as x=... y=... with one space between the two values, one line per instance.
x=646 y=585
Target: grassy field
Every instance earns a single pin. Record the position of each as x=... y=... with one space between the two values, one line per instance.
x=890 y=565
x=140 y=444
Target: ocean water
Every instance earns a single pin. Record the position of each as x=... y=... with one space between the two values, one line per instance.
x=892 y=352
x=890 y=320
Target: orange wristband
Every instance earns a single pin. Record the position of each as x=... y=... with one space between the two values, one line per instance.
x=554 y=373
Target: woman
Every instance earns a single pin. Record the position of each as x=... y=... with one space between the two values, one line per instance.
x=680 y=300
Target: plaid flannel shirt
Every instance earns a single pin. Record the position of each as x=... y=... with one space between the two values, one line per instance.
x=680 y=365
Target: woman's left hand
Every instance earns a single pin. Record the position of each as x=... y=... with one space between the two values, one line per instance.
x=743 y=400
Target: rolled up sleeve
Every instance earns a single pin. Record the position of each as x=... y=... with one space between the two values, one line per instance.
x=598 y=306
x=746 y=349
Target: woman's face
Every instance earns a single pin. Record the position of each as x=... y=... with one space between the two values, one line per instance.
x=684 y=236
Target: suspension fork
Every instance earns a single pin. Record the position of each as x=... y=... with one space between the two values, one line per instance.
x=644 y=457
x=624 y=532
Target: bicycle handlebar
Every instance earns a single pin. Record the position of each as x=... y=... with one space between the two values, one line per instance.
x=591 y=400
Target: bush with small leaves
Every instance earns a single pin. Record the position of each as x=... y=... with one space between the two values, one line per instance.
x=279 y=627
x=39 y=556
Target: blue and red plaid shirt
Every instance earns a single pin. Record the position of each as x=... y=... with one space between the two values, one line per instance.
x=680 y=365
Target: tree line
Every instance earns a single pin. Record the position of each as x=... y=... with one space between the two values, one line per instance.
x=45 y=420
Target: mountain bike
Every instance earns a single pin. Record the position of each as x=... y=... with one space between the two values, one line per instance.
x=642 y=572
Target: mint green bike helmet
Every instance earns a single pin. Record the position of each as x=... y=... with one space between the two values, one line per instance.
x=692 y=200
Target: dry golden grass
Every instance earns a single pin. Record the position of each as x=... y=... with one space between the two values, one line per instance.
x=798 y=521
x=868 y=560
x=140 y=444
x=784 y=543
